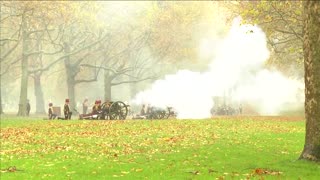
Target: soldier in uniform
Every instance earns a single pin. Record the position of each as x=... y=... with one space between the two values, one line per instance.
x=95 y=108
x=50 y=112
x=108 y=104
x=66 y=110
x=105 y=110
x=99 y=106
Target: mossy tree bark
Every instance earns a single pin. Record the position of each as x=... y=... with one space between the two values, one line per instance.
x=311 y=47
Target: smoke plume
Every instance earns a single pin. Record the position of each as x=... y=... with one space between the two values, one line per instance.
x=237 y=70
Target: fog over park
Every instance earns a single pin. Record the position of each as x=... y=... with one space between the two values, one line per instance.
x=192 y=56
x=160 y=89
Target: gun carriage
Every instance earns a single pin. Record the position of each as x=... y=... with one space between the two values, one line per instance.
x=158 y=113
x=117 y=110
x=161 y=113
x=224 y=111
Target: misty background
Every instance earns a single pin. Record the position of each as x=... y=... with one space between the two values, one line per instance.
x=179 y=54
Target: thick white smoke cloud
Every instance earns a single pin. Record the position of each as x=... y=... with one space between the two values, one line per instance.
x=237 y=68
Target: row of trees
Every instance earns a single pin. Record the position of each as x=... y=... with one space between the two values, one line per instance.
x=38 y=37
x=88 y=42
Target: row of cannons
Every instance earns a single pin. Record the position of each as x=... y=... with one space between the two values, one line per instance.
x=226 y=111
x=118 y=110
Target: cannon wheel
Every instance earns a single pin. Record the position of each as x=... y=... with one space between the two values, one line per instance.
x=162 y=114
x=118 y=110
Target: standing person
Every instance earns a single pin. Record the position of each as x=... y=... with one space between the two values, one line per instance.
x=66 y=110
x=85 y=106
x=50 y=112
x=142 y=111
x=99 y=106
x=28 y=107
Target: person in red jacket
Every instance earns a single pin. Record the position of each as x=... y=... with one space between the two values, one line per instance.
x=95 y=108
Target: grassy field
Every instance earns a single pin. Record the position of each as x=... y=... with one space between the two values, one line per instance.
x=221 y=148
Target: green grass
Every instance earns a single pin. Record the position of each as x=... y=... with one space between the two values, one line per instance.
x=160 y=149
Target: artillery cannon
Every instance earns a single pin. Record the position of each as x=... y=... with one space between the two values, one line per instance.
x=224 y=111
x=158 y=113
x=117 y=110
x=109 y=110
x=161 y=113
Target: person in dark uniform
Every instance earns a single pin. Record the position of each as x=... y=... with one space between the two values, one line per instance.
x=105 y=110
x=108 y=104
x=96 y=110
x=66 y=110
x=143 y=114
x=28 y=108
x=99 y=106
x=50 y=112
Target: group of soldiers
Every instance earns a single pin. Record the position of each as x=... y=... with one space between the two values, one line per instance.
x=144 y=112
x=66 y=111
x=96 y=109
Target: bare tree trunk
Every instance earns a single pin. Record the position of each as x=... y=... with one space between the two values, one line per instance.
x=39 y=94
x=71 y=83
x=37 y=80
x=107 y=86
x=24 y=70
x=71 y=89
x=311 y=47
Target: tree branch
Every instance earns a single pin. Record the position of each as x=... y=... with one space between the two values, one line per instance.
x=86 y=80
x=9 y=52
x=99 y=67
x=8 y=67
x=66 y=55
x=293 y=31
x=133 y=81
